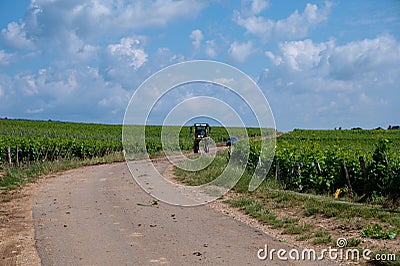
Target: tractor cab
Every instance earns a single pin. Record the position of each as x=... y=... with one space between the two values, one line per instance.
x=201 y=132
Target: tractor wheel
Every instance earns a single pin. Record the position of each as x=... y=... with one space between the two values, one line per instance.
x=206 y=148
x=196 y=147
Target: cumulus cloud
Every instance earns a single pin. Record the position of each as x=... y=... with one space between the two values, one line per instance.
x=63 y=94
x=211 y=49
x=368 y=56
x=299 y=55
x=240 y=51
x=128 y=50
x=208 y=47
x=253 y=7
x=128 y=15
x=77 y=91
x=5 y=58
x=92 y=57
x=83 y=59
x=96 y=34
x=258 y=5
x=297 y=25
x=196 y=36
x=325 y=80
x=377 y=58
x=15 y=37
x=56 y=21
x=164 y=57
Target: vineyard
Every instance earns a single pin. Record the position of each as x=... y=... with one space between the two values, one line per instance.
x=23 y=142
x=355 y=165
x=176 y=139
x=361 y=164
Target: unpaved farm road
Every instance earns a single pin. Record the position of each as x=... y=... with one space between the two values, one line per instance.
x=98 y=215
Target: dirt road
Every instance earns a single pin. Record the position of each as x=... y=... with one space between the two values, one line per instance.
x=98 y=215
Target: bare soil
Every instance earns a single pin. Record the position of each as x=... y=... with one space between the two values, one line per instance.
x=17 y=243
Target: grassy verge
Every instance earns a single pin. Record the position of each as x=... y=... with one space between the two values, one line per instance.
x=14 y=178
x=195 y=178
x=306 y=218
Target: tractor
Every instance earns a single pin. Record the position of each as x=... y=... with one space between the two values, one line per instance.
x=201 y=133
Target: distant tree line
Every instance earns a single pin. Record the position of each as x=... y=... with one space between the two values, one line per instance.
x=390 y=127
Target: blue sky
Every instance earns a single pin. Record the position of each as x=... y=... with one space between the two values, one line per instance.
x=320 y=64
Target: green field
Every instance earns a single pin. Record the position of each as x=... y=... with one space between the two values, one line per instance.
x=363 y=164
x=361 y=168
x=358 y=163
x=30 y=148
x=306 y=196
x=24 y=142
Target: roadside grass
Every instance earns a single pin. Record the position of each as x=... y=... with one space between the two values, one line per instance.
x=322 y=237
x=14 y=178
x=300 y=214
x=302 y=206
x=271 y=194
x=206 y=175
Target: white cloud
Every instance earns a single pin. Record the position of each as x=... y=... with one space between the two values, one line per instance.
x=256 y=25
x=300 y=55
x=99 y=9
x=34 y=111
x=240 y=51
x=164 y=57
x=112 y=101
x=87 y=52
x=61 y=22
x=196 y=36
x=275 y=59
x=370 y=56
x=297 y=25
x=356 y=76
x=5 y=58
x=365 y=99
x=117 y=16
x=91 y=58
x=128 y=50
x=377 y=58
x=258 y=5
x=15 y=37
x=166 y=10
x=63 y=94
x=253 y=7
x=78 y=50
x=211 y=48
x=225 y=81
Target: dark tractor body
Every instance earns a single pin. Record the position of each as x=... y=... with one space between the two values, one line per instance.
x=201 y=133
